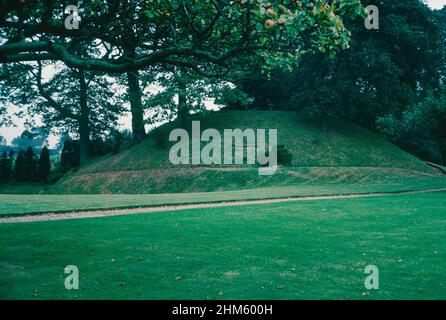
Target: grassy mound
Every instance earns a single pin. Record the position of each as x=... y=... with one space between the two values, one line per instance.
x=347 y=154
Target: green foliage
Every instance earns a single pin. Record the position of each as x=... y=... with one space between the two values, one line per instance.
x=44 y=165
x=25 y=168
x=203 y=36
x=20 y=167
x=232 y=97
x=69 y=157
x=420 y=129
x=5 y=168
x=190 y=33
x=384 y=70
x=179 y=86
x=29 y=138
x=103 y=106
x=30 y=173
x=97 y=147
x=117 y=140
x=57 y=102
x=4 y=119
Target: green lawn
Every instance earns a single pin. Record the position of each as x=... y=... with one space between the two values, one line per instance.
x=300 y=250
x=11 y=205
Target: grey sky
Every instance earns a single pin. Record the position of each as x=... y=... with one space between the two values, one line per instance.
x=436 y=4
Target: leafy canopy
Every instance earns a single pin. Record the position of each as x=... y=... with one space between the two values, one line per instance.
x=202 y=35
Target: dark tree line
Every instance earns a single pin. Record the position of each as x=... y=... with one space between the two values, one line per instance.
x=25 y=167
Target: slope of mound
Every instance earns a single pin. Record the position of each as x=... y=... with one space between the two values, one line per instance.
x=347 y=153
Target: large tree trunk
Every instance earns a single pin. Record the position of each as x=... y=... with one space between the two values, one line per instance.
x=183 y=109
x=136 y=108
x=84 y=121
x=135 y=95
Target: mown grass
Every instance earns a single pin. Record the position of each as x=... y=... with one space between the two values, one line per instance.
x=201 y=179
x=302 y=250
x=24 y=188
x=12 y=205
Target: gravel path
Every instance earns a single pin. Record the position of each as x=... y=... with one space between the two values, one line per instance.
x=118 y=212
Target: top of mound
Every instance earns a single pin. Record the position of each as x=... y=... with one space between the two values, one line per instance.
x=346 y=154
x=345 y=145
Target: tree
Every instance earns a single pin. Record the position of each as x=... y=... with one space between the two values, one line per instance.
x=184 y=32
x=204 y=36
x=441 y=18
x=88 y=109
x=4 y=119
x=117 y=139
x=182 y=92
x=30 y=165
x=5 y=168
x=44 y=165
x=28 y=139
x=20 y=167
x=420 y=129
x=384 y=70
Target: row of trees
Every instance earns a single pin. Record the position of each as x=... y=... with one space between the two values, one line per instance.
x=25 y=167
